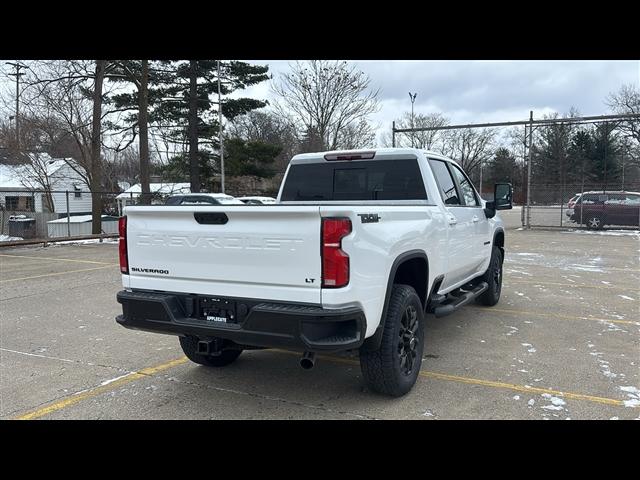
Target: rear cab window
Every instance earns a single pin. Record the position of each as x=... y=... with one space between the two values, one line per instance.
x=396 y=179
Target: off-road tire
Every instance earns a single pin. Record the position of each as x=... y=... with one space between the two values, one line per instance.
x=493 y=277
x=189 y=346
x=384 y=370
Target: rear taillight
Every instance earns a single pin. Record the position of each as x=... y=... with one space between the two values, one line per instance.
x=122 y=245
x=335 y=262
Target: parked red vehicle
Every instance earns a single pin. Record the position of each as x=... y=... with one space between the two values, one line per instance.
x=600 y=208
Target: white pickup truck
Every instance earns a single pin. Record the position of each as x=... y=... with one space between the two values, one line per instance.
x=359 y=247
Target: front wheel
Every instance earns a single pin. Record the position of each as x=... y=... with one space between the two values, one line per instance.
x=493 y=277
x=393 y=369
x=189 y=346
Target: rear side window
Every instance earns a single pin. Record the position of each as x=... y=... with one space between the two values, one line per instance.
x=633 y=199
x=447 y=186
x=355 y=180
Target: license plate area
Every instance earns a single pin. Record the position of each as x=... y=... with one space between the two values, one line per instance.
x=216 y=310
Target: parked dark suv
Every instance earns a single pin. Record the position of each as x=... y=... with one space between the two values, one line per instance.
x=597 y=209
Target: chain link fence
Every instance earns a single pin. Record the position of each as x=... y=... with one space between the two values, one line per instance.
x=52 y=215
x=589 y=206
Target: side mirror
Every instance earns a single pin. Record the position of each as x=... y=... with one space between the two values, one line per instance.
x=502 y=199
x=503 y=195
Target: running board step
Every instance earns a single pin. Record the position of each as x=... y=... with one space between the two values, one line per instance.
x=454 y=302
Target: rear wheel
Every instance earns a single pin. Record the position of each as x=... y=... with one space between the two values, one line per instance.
x=493 y=277
x=594 y=222
x=393 y=369
x=189 y=346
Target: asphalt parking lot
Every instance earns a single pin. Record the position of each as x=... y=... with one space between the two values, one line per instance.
x=564 y=342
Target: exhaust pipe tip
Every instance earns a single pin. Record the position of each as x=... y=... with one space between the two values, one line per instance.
x=308 y=360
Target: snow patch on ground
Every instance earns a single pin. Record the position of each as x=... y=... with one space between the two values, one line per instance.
x=634 y=394
x=7 y=238
x=626 y=298
x=613 y=233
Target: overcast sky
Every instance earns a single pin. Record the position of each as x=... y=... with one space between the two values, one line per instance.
x=485 y=91
x=473 y=91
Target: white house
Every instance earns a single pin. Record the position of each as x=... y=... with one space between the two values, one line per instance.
x=18 y=185
x=130 y=195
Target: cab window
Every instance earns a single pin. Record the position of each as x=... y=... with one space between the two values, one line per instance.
x=448 y=189
x=466 y=189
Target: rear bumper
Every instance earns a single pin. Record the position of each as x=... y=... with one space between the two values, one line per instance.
x=259 y=323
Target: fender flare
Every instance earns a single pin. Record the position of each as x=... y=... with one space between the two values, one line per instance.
x=373 y=342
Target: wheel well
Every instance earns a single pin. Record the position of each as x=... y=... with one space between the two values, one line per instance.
x=414 y=272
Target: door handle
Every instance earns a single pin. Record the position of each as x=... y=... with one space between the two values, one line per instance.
x=475 y=218
x=452 y=220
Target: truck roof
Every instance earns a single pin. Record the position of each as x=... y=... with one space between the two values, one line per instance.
x=380 y=154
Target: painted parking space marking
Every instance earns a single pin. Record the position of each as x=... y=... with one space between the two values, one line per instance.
x=35 y=257
x=105 y=386
x=486 y=383
x=58 y=273
x=556 y=315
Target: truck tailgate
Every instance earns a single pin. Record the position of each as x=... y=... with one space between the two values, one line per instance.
x=270 y=252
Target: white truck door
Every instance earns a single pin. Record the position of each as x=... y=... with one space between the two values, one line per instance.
x=481 y=240
x=461 y=227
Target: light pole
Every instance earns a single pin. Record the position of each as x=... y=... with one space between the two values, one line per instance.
x=413 y=99
x=220 y=130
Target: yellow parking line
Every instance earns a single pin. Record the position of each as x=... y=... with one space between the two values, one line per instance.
x=57 y=273
x=523 y=388
x=486 y=383
x=555 y=315
x=575 y=285
x=105 y=387
x=34 y=257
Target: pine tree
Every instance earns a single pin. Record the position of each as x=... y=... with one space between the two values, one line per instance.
x=201 y=128
x=605 y=156
x=171 y=88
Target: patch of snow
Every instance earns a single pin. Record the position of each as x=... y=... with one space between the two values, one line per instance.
x=631 y=390
x=107 y=382
x=626 y=298
x=531 y=402
x=554 y=400
x=516 y=397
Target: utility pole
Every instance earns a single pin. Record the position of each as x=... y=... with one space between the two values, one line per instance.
x=18 y=66
x=529 y=170
x=194 y=165
x=393 y=134
x=220 y=129
x=413 y=99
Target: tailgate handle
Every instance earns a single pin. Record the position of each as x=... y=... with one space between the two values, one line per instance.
x=211 y=218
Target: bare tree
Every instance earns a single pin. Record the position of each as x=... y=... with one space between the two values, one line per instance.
x=429 y=139
x=270 y=128
x=469 y=147
x=627 y=101
x=71 y=93
x=327 y=97
x=37 y=175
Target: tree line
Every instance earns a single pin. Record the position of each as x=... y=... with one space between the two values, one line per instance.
x=126 y=120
